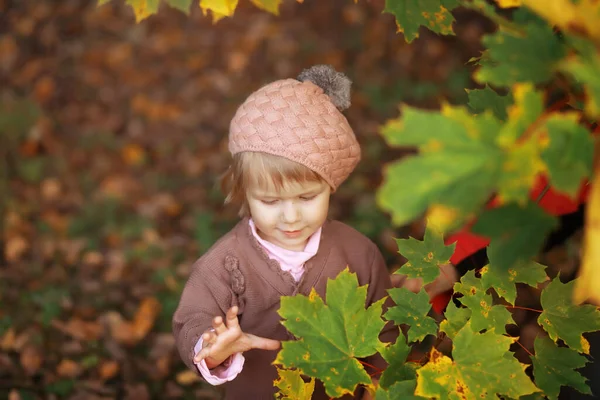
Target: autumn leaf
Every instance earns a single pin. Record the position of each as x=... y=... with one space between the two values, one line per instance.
x=130 y=333
x=503 y=280
x=579 y=17
x=424 y=257
x=411 y=309
x=484 y=315
x=509 y=3
x=292 y=386
x=145 y=316
x=519 y=138
x=332 y=336
x=517 y=233
x=271 y=6
x=182 y=5
x=570 y=152
x=143 y=8
x=187 y=377
x=68 y=369
x=412 y=14
x=564 y=320
x=457 y=168
x=219 y=8
x=108 y=369
x=31 y=359
x=528 y=56
x=455 y=319
x=133 y=154
x=398 y=369
x=480 y=363
x=484 y=99
x=587 y=286
x=555 y=366
x=399 y=390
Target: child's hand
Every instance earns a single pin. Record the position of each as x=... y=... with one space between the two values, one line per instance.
x=367 y=395
x=227 y=339
x=445 y=281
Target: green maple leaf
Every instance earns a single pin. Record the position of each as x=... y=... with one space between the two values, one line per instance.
x=529 y=56
x=484 y=315
x=398 y=369
x=482 y=369
x=527 y=107
x=555 y=366
x=456 y=318
x=564 y=320
x=517 y=233
x=584 y=69
x=399 y=390
x=182 y=5
x=271 y=6
x=570 y=153
x=332 y=336
x=458 y=165
x=484 y=99
x=533 y=396
x=520 y=168
x=503 y=280
x=292 y=386
x=522 y=161
x=425 y=257
x=143 y=8
x=411 y=309
x=412 y=14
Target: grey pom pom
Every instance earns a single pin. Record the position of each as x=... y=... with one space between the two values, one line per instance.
x=335 y=84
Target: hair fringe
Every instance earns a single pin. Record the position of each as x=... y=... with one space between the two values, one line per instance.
x=268 y=171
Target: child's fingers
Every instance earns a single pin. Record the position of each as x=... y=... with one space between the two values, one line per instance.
x=232 y=319
x=218 y=325
x=257 y=342
x=202 y=354
x=208 y=338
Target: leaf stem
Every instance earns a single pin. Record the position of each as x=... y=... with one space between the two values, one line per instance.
x=539 y=120
x=488 y=11
x=524 y=348
x=525 y=308
x=371 y=366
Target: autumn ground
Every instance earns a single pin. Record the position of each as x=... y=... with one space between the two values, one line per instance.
x=109 y=189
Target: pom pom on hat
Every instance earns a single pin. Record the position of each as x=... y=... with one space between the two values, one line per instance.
x=335 y=84
x=300 y=119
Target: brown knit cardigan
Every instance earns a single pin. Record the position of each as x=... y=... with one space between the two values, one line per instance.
x=237 y=271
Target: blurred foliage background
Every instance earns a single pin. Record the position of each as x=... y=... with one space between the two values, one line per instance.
x=113 y=135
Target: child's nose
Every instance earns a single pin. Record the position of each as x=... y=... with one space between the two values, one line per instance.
x=291 y=213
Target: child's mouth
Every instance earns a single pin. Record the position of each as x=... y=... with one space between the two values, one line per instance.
x=292 y=234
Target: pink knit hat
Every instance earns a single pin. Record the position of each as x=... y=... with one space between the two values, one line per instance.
x=300 y=120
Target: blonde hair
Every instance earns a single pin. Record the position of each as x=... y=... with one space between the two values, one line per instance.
x=256 y=169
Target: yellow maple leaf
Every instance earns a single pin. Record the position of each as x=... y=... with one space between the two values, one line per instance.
x=509 y=3
x=187 y=377
x=271 y=6
x=219 y=8
x=587 y=287
x=143 y=8
x=442 y=217
x=581 y=18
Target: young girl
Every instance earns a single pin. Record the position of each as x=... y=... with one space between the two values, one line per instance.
x=291 y=148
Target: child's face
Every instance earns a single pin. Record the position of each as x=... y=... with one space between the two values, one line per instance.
x=288 y=217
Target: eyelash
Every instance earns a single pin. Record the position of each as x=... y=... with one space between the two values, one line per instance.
x=271 y=202
x=308 y=198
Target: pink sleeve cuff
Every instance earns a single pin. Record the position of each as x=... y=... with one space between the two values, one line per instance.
x=223 y=373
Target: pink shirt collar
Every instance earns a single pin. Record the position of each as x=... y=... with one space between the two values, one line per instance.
x=289 y=260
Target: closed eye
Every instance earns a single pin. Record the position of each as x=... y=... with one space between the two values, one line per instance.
x=307 y=198
x=269 y=202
